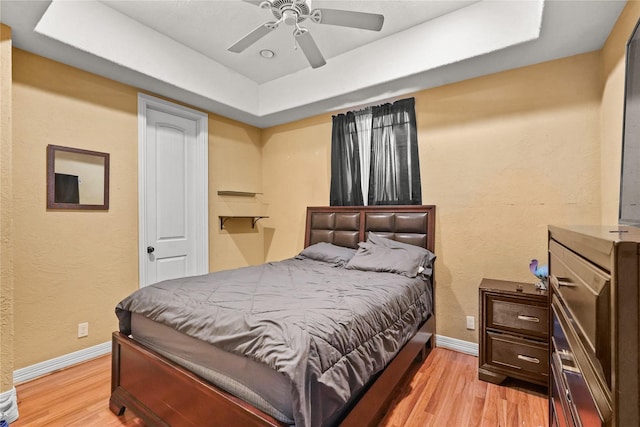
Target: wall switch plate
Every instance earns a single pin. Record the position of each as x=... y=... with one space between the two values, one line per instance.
x=471 y=323
x=83 y=329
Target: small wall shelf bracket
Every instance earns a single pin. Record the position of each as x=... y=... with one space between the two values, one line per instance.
x=254 y=219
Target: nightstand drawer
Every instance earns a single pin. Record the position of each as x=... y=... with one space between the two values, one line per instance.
x=514 y=332
x=515 y=316
x=509 y=352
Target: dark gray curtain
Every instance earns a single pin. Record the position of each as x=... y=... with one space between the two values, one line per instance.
x=394 y=169
x=345 y=162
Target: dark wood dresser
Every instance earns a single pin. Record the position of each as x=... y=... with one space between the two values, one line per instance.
x=514 y=332
x=594 y=285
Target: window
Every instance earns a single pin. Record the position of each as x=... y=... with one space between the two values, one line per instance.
x=374 y=156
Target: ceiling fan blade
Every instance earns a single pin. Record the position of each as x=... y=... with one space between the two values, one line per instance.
x=348 y=18
x=310 y=49
x=254 y=2
x=252 y=37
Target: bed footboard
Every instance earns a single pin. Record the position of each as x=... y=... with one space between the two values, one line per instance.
x=162 y=393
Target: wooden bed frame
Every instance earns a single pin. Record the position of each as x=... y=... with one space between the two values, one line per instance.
x=161 y=393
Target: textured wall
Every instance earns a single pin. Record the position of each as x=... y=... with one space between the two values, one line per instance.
x=501 y=156
x=6 y=205
x=504 y=156
x=70 y=266
x=74 y=266
x=234 y=164
x=296 y=174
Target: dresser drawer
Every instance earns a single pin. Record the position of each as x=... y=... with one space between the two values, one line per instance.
x=510 y=352
x=518 y=316
x=585 y=290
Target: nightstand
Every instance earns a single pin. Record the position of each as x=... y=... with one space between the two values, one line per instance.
x=514 y=332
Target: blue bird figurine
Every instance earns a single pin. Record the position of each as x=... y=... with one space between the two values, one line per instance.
x=541 y=272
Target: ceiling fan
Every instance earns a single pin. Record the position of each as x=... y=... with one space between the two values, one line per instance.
x=293 y=12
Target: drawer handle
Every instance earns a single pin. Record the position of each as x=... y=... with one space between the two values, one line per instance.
x=566 y=356
x=562 y=281
x=528 y=358
x=528 y=318
x=566 y=284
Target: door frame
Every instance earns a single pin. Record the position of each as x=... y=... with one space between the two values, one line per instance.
x=145 y=103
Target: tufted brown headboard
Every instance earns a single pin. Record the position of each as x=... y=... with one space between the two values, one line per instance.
x=348 y=225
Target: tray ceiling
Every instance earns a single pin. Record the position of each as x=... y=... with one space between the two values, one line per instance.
x=178 y=48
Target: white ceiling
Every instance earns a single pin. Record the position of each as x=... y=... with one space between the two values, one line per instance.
x=216 y=25
x=178 y=48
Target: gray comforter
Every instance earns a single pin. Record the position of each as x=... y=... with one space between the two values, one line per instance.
x=328 y=329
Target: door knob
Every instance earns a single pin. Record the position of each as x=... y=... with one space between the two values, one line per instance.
x=150 y=249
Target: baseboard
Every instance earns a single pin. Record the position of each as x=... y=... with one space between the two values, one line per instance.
x=9 y=406
x=457 y=345
x=34 y=371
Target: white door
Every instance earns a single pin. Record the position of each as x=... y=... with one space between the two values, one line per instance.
x=173 y=192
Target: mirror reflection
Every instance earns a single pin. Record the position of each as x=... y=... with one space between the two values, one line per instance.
x=77 y=179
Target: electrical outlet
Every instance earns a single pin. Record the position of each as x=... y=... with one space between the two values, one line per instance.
x=471 y=323
x=83 y=329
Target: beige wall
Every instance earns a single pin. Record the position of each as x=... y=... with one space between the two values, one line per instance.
x=74 y=266
x=235 y=165
x=296 y=174
x=613 y=69
x=502 y=156
x=70 y=266
x=6 y=207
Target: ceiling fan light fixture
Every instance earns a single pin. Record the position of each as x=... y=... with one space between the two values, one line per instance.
x=290 y=17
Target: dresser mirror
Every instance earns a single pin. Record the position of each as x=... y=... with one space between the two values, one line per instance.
x=77 y=179
x=629 y=212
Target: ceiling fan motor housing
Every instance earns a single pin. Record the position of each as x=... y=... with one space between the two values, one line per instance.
x=291 y=11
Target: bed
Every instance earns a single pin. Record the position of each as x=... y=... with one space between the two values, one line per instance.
x=181 y=377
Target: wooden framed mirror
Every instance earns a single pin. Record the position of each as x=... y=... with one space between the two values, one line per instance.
x=629 y=209
x=77 y=179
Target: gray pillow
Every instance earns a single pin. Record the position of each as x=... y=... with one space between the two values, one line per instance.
x=370 y=257
x=428 y=256
x=381 y=254
x=327 y=252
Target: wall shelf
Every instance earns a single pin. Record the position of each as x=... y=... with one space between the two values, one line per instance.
x=236 y=193
x=254 y=219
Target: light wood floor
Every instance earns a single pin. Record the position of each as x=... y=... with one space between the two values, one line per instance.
x=443 y=391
